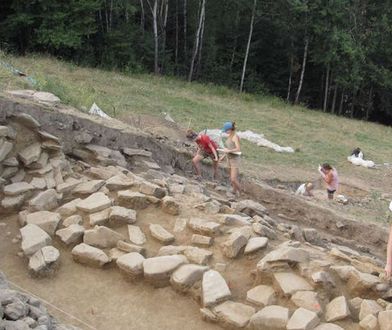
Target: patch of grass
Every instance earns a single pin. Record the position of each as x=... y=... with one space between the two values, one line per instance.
x=318 y=136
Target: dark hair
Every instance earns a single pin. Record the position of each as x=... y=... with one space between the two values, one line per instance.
x=326 y=166
x=191 y=134
x=233 y=125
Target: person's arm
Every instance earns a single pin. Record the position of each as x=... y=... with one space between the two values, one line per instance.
x=213 y=151
x=328 y=178
x=237 y=148
x=388 y=266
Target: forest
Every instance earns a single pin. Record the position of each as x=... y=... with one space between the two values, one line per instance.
x=329 y=55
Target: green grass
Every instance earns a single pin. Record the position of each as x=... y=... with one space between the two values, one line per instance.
x=317 y=136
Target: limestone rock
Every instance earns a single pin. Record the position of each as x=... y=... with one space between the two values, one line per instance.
x=15 y=310
x=290 y=283
x=170 y=250
x=186 y=276
x=328 y=326
x=369 y=307
x=119 y=182
x=99 y=218
x=234 y=220
x=134 y=200
x=30 y=154
x=286 y=254
x=234 y=314
x=131 y=264
x=250 y=208
x=13 y=203
x=72 y=234
x=44 y=261
x=261 y=295
x=94 y=203
x=204 y=226
x=161 y=234
x=234 y=244
x=46 y=220
x=303 y=319
x=45 y=200
x=18 y=188
x=102 y=237
x=33 y=239
x=256 y=243
x=5 y=149
x=46 y=98
x=270 y=317
x=67 y=186
x=337 y=310
x=72 y=220
x=69 y=208
x=214 y=288
x=137 y=152
x=127 y=247
x=89 y=255
x=38 y=183
x=12 y=161
x=263 y=230
x=122 y=215
x=311 y=235
x=202 y=240
x=360 y=283
x=115 y=253
x=369 y=322
x=136 y=235
x=158 y=270
x=385 y=320
x=89 y=187
x=307 y=300
x=148 y=188
x=170 y=206
x=27 y=121
x=197 y=255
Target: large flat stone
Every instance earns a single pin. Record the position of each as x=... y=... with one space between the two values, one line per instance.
x=204 y=227
x=337 y=309
x=307 y=300
x=33 y=239
x=202 y=240
x=30 y=154
x=136 y=235
x=122 y=215
x=303 y=319
x=131 y=264
x=158 y=270
x=127 y=247
x=250 y=208
x=71 y=235
x=69 y=208
x=148 y=188
x=94 y=203
x=290 y=283
x=44 y=262
x=234 y=314
x=261 y=295
x=270 y=317
x=5 y=149
x=161 y=234
x=46 y=220
x=134 y=200
x=99 y=218
x=170 y=206
x=119 y=182
x=88 y=187
x=186 y=276
x=89 y=255
x=385 y=320
x=197 y=255
x=45 y=200
x=214 y=288
x=234 y=244
x=255 y=244
x=283 y=254
x=18 y=188
x=102 y=237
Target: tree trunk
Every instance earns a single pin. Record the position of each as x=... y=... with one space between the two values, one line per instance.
x=302 y=70
x=197 y=40
x=198 y=67
x=248 y=45
x=100 y=19
x=353 y=100
x=142 y=17
x=290 y=77
x=106 y=17
x=154 y=11
x=326 y=88
x=176 y=46
x=111 y=14
x=185 y=33
x=237 y=21
x=370 y=103
x=166 y=9
x=341 y=103
x=335 y=93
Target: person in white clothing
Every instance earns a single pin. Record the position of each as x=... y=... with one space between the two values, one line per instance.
x=305 y=189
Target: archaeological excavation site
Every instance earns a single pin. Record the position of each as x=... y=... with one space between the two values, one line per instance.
x=103 y=227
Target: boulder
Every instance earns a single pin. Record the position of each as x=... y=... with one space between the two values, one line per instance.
x=30 y=154
x=14 y=311
x=45 y=200
x=88 y=187
x=204 y=227
x=131 y=264
x=250 y=208
x=201 y=240
x=69 y=208
x=122 y=215
x=264 y=230
x=102 y=237
x=99 y=218
x=369 y=307
x=148 y=188
x=136 y=235
x=234 y=314
x=46 y=220
x=369 y=322
x=72 y=220
x=18 y=188
x=46 y=98
x=72 y=234
x=5 y=149
x=38 y=183
x=337 y=309
x=33 y=239
x=285 y=254
x=272 y=317
x=197 y=255
x=261 y=295
x=290 y=283
x=161 y=234
x=170 y=206
x=311 y=235
x=134 y=200
x=67 y=186
x=94 y=203
x=158 y=270
x=234 y=244
x=360 y=283
x=186 y=276
x=119 y=182
x=44 y=262
x=214 y=288
x=385 y=320
x=303 y=319
x=89 y=255
x=256 y=243
x=13 y=203
x=307 y=300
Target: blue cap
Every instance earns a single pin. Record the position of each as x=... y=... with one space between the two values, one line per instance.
x=227 y=125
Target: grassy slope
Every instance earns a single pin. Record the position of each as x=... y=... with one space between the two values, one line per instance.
x=319 y=137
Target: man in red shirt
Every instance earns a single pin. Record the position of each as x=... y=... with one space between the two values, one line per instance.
x=206 y=147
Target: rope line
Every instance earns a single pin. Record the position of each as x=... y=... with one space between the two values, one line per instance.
x=53 y=306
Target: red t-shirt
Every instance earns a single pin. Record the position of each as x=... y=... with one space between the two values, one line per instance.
x=203 y=142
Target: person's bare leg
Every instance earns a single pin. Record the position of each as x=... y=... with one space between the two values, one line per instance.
x=234 y=180
x=196 y=164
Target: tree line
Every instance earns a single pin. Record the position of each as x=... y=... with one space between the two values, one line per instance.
x=333 y=55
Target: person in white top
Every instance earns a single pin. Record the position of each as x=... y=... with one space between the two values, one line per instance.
x=305 y=189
